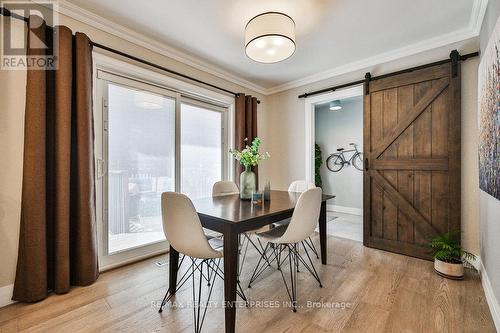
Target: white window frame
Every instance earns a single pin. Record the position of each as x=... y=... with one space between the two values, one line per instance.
x=107 y=69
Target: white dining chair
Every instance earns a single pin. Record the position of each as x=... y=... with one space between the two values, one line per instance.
x=290 y=237
x=223 y=187
x=183 y=230
x=226 y=187
x=297 y=186
x=301 y=186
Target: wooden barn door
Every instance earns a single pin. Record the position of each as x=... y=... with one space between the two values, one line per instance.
x=412 y=165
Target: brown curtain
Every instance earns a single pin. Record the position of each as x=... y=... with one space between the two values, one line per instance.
x=57 y=242
x=246 y=127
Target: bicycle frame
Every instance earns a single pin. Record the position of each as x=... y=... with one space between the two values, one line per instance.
x=340 y=160
x=341 y=155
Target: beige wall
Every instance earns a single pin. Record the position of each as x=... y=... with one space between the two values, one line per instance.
x=470 y=163
x=285 y=121
x=12 y=91
x=12 y=88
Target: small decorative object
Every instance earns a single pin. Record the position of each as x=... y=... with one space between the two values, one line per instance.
x=249 y=157
x=318 y=161
x=267 y=191
x=257 y=197
x=449 y=258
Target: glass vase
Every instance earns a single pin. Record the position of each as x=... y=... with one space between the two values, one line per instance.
x=248 y=184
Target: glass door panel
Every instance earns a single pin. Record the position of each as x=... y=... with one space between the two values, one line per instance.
x=201 y=149
x=141 y=165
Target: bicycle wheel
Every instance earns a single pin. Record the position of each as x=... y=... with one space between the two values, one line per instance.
x=334 y=163
x=357 y=161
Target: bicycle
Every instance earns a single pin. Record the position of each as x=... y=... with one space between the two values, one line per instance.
x=337 y=161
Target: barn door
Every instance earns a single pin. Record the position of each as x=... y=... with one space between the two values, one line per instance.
x=412 y=166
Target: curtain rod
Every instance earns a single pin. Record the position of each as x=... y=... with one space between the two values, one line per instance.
x=368 y=77
x=8 y=13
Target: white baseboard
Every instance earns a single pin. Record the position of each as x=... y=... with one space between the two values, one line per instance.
x=491 y=299
x=343 y=209
x=6 y=295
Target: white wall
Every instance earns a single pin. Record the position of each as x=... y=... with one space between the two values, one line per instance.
x=12 y=98
x=489 y=206
x=285 y=121
x=336 y=130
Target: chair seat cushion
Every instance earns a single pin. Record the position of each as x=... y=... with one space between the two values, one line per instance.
x=260 y=230
x=216 y=243
x=283 y=222
x=273 y=233
x=211 y=234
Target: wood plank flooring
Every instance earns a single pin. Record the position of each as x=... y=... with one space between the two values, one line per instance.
x=365 y=290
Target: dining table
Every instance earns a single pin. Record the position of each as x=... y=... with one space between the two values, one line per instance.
x=232 y=216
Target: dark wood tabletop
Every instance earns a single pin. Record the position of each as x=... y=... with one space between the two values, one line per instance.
x=232 y=209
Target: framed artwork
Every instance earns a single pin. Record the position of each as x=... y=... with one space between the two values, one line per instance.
x=489 y=116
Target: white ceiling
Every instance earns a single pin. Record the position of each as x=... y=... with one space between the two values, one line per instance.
x=330 y=34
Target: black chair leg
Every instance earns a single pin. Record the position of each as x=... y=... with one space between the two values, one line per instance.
x=199 y=312
x=292 y=288
x=294 y=260
x=184 y=278
x=311 y=245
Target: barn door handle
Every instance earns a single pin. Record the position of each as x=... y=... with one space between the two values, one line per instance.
x=366 y=163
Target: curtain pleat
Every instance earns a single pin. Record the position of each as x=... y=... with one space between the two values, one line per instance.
x=245 y=127
x=57 y=242
x=31 y=274
x=84 y=241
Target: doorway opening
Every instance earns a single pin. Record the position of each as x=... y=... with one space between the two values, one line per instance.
x=335 y=128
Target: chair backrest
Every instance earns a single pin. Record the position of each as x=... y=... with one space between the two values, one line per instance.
x=224 y=187
x=300 y=186
x=182 y=226
x=305 y=217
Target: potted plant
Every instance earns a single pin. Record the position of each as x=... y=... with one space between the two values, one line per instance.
x=449 y=257
x=318 y=161
x=249 y=157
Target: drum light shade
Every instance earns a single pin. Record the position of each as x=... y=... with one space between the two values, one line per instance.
x=270 y=37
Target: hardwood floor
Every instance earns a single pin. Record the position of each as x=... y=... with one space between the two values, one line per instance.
x=365 y=290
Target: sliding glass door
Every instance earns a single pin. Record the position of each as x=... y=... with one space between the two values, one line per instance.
x=202 y=153
x=153 y=140
x=141 y=165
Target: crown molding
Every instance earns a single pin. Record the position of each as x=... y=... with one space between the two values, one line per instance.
x=77 y=13
x=474 y=27
x=477 y=15
x=473 y=30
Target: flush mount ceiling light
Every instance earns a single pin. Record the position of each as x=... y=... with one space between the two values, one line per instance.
x=335 y=105
x=270 y=37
